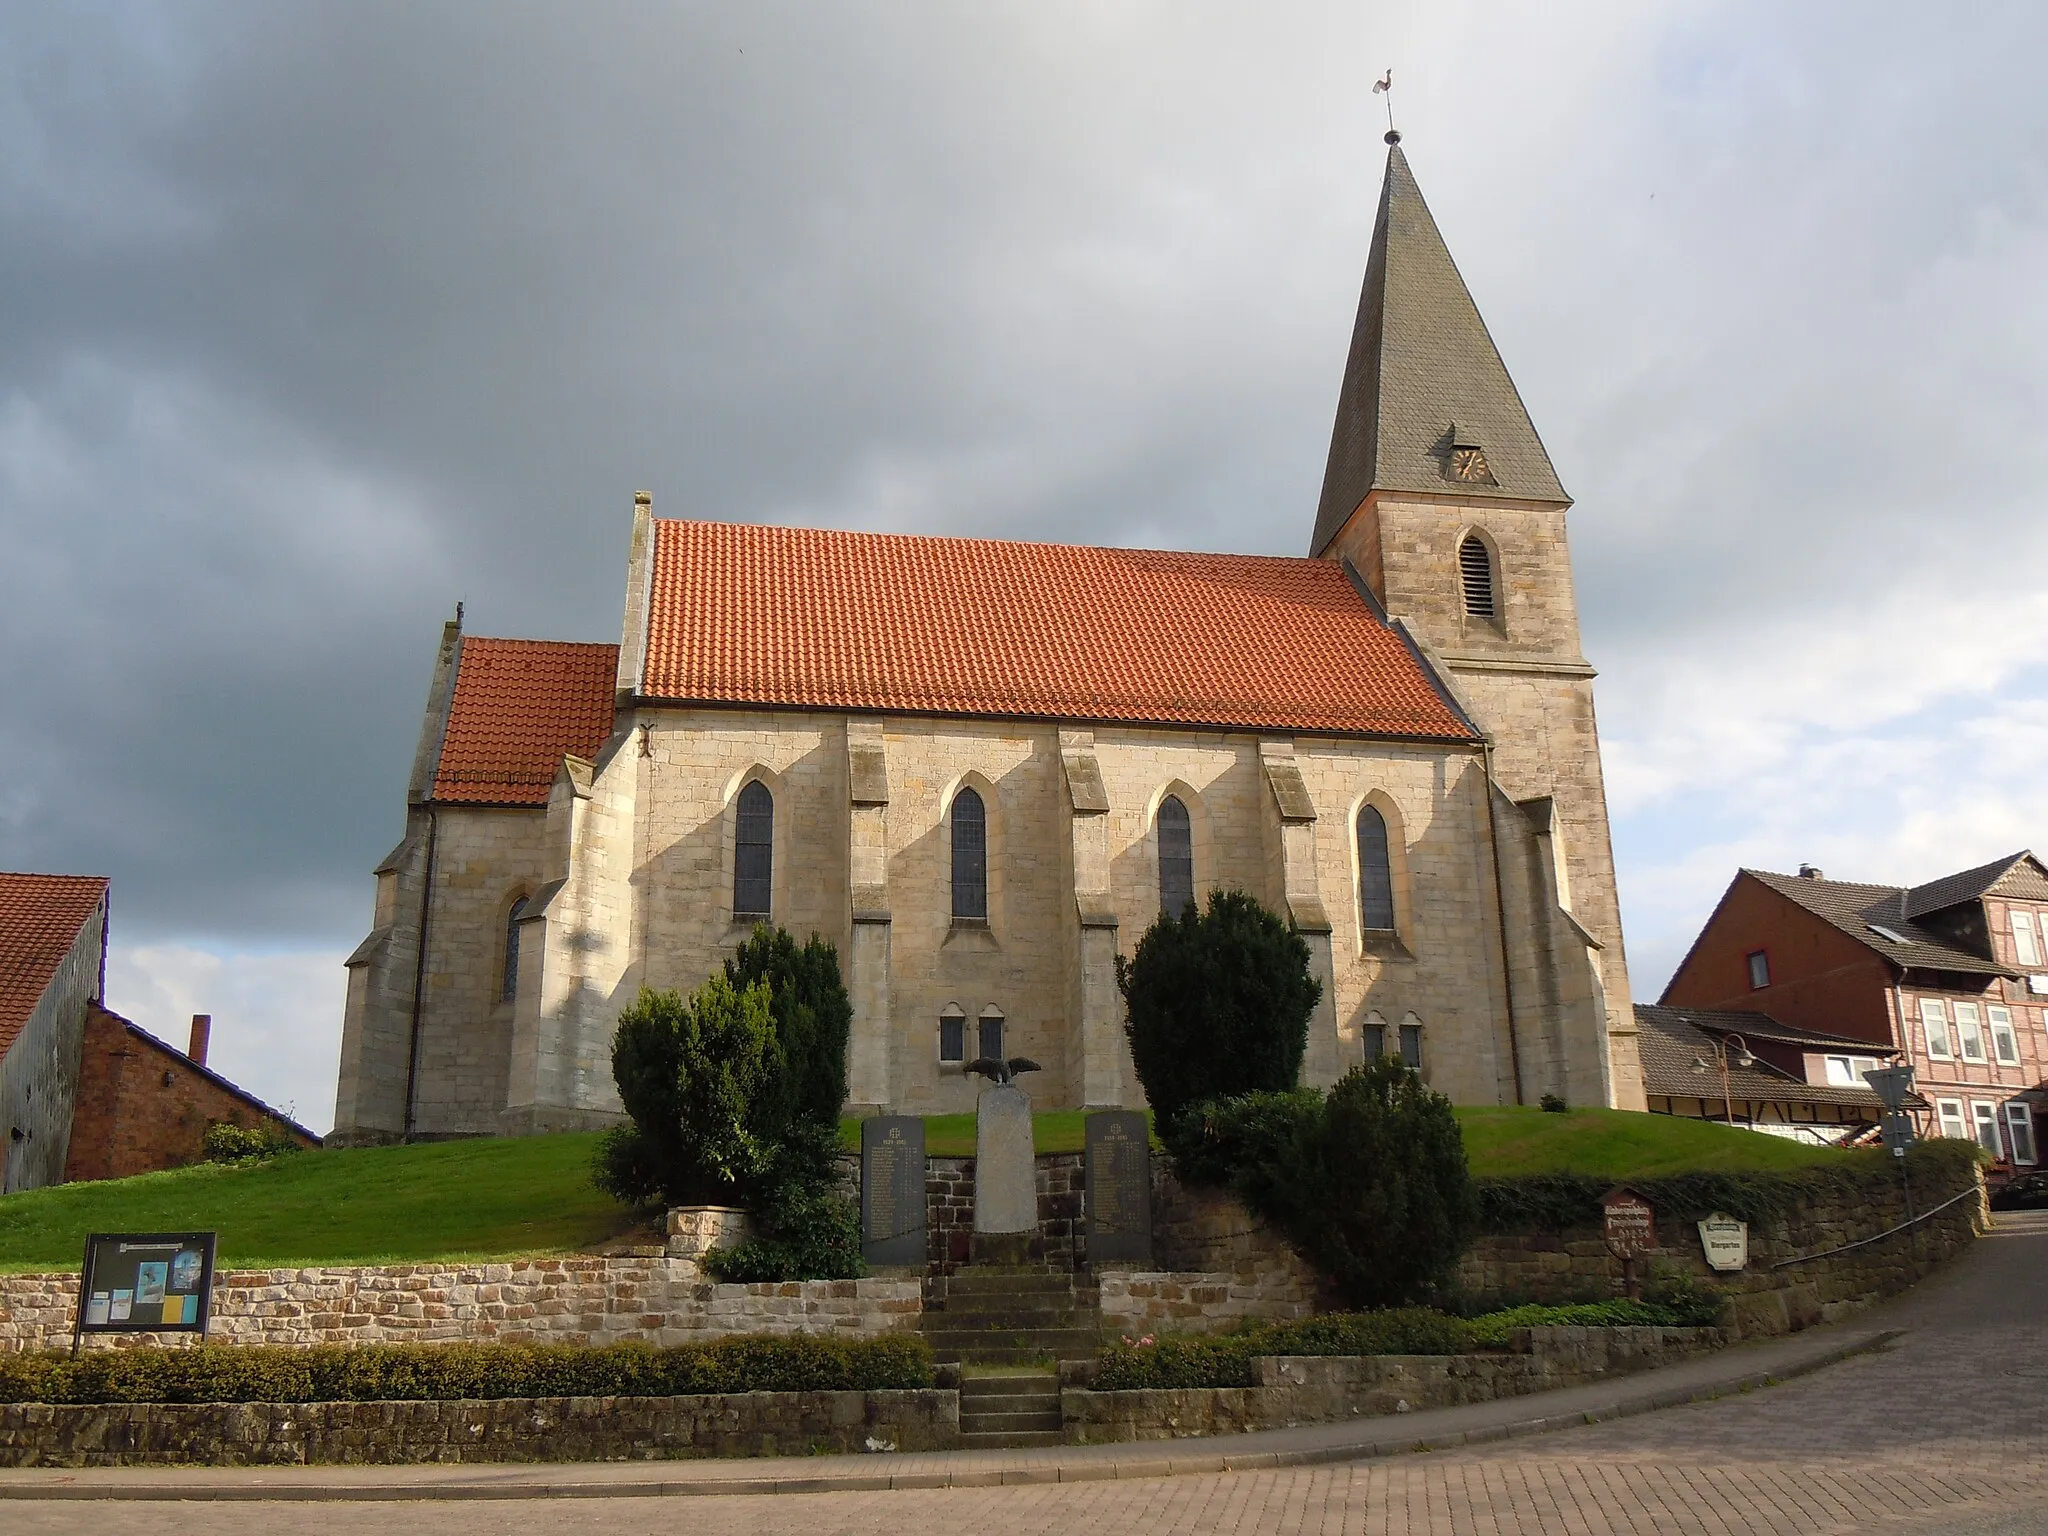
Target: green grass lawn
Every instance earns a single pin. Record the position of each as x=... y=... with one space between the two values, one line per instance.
x=450 y=1199
x=1503 y=1142
x=532 y=1195
x=1054 y=1130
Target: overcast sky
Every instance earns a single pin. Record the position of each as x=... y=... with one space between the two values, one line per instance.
x=317 y=318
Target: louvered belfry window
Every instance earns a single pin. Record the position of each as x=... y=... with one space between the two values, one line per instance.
x=1475 y=568
x=1176 y=858
x=1375 y=873
x=970 y=858
x=753 y=864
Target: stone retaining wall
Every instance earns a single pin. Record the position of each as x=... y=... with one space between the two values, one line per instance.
x=1503 y=1270
x=1327 y=1389
x=550 y=1301
x=509 y=1429
x=1062 y=1236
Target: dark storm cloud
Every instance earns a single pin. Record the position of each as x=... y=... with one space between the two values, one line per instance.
x=318 y=318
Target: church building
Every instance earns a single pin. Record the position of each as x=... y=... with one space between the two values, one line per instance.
x=983 y=769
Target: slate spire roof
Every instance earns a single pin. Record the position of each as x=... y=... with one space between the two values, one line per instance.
x=1423 y=375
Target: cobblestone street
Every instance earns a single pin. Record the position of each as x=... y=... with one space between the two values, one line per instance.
x=1945 y=1431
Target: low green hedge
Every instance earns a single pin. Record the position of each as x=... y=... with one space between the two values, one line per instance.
x=1555 y=1202
x=233 y=1373
x=1174 y=1360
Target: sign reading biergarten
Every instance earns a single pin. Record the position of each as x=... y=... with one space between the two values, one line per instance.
x=1725 y=1241
x=146 y=1282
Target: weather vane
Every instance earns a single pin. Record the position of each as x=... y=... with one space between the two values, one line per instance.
x=1384 y=86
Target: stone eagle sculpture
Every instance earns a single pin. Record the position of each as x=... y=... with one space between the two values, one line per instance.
x=996 y=1070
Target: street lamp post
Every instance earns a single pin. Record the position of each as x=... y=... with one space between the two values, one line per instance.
x=1743 y=1058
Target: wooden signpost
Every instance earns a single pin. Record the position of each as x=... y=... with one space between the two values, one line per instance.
x=1630 y=1227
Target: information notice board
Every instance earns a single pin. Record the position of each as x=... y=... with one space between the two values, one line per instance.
x=146 y=1282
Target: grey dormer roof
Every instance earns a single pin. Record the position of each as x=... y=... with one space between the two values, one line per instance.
x=1971 y=884
x=1874 y=916
x=1423 y=375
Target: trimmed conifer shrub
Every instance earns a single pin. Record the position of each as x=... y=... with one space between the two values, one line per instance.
x=1218 y=1003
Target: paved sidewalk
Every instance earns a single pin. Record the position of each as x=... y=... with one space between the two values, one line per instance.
x=1740 y=1369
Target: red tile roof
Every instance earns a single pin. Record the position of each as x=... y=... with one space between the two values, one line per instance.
x=811 y=618
x=40 y=919
x=519 y=706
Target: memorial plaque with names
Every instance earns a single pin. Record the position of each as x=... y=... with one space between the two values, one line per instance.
x=892 y=1201
x=1119 y=1188
x=1630 y=1226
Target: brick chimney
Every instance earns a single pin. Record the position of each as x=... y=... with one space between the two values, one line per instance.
x=202 y=1031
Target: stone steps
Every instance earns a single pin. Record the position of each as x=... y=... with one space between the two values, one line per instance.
x=1010 y=1408
x=1011 y=1315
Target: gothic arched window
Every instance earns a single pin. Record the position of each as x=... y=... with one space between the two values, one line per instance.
x=510 y=988
x=1375 y=873
x=970 y=858
x=753 y=853
x=1475 y=571
x=1176 y=858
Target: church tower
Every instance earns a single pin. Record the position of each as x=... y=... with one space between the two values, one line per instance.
x=1441 y=499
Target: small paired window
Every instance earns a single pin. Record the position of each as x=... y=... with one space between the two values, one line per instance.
x=1934 y=1024
x=753 y=862
x=970 y=858
x=1411 y=1045
x=1969 y=1032
x=1372 y=1037
x=1759 y=970
x=991 y=1042
x=1375 y=872
x=509 y=988
x=1176 y=858
x=953 y=1036
x=1475 y=574
x=2019 y=1131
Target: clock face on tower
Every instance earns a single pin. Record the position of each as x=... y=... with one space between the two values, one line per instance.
x=1469 y=465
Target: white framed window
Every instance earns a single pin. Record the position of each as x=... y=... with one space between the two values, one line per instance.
x=1986 y=1118
x=1969 y=1033
x=1950 y=1114
x=2019 y=1132
x=1934 y=1021
x=1759 y=970
x=1847 y=1071
x=2005 y=1045
x=2024 y=944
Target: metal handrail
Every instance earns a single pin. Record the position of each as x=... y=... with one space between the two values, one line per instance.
x=1888 y=1232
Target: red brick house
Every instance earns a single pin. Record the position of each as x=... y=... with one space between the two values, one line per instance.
x=1952 y=974
x=144 y=1105
x=84 y=1094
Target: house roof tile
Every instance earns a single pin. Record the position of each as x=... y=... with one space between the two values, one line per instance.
x=40 y=919
x=1672 y=1041
x=1969 y=885
x=519 y=707
x=813 y=618
x=1860 y=910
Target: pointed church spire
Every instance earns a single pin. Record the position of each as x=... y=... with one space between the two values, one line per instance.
x=1424 y=385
